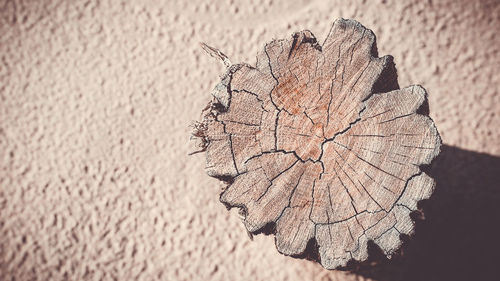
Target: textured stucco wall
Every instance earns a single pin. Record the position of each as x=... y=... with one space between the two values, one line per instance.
x=95 y=102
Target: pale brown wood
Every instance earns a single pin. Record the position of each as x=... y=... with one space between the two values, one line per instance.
x=319 y=142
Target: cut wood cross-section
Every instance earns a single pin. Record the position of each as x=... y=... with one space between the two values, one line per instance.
x=318 y=142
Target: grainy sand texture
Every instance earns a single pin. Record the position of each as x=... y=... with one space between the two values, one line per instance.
x=96 y=99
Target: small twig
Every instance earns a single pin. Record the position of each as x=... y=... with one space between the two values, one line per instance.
x=215 y=53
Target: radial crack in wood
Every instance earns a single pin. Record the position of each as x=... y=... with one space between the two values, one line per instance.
x=319 y=141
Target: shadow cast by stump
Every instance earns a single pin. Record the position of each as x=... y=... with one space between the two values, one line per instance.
x=459 y=238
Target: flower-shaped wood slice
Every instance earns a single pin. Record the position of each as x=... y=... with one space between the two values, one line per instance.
x=319 y=142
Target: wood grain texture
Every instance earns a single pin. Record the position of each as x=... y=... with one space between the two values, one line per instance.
x=318 y=142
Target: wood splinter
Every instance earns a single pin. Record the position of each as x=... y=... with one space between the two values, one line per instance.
x=319 y=144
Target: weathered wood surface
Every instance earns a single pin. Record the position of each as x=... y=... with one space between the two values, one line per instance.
x=318 y=142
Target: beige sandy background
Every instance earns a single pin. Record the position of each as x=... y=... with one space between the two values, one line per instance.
x=95 y=102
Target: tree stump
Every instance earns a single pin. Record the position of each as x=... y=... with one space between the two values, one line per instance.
x=317 y=143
